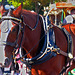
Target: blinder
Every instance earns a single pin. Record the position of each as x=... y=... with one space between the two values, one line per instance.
x=6 y=26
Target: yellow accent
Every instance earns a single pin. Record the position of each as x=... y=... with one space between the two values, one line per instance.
x=15 y=60
x=64 y=14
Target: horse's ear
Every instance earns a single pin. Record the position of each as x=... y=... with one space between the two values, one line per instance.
x=18 y=11
x=1 y=8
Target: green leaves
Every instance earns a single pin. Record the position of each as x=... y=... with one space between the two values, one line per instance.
x=36 y=5
x=15 y=3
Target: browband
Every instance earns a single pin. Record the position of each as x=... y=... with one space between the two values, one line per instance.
x=9 y=17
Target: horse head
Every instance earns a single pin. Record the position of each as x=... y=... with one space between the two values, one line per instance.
x=15 y=23
x=8 y=27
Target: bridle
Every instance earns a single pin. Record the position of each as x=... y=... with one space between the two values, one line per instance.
x=21 y=29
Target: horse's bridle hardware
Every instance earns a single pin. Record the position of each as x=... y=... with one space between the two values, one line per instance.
x=70 y=55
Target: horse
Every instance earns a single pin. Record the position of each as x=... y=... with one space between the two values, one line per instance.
x=26 y=34
x=71 y=29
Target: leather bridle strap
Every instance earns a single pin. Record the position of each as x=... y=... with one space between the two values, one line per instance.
x=9 y=43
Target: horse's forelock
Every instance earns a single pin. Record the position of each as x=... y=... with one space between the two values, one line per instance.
x=2 y=10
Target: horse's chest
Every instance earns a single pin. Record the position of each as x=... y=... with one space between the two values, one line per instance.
x=60 y=39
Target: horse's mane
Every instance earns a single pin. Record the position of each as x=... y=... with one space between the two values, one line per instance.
x=24 y=11
x=29 y=16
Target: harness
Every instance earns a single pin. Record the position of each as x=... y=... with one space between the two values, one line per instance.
x=48 y=51
x=69 y=51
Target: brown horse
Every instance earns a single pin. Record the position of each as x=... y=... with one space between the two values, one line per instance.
x=20 y=19
x=71 y=29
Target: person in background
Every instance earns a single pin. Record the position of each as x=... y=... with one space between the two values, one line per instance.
x=70 y=18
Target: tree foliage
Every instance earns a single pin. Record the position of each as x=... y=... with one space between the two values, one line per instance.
x=27 y=4
x=36 y=5
x=42 y=2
